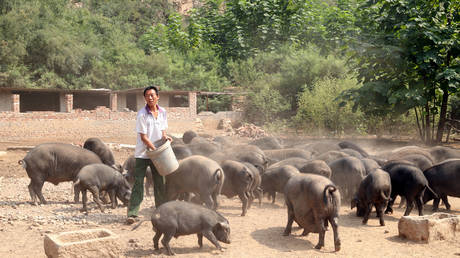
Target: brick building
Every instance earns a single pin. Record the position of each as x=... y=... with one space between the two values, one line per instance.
x=179 y=104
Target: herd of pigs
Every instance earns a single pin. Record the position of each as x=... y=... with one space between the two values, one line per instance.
x=315 y=179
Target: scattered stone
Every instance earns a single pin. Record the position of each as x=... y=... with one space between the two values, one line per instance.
x=438 y=226
x=386 y=232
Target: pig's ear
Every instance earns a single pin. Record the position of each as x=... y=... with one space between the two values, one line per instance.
x=224 y=225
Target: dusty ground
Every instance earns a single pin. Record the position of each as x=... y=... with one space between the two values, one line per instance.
x=23 y=226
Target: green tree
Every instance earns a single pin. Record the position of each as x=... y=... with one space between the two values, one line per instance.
x=408 y=58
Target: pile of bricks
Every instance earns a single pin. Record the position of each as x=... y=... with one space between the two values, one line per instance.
x=250 y=130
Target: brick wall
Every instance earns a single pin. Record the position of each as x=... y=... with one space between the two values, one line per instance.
x=192 y=103
x=100 y=113
x=81 y=124
x=114 y=102
x=68 y=102
x=15 y=101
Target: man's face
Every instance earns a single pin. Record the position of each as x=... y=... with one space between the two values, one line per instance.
x=151 y=97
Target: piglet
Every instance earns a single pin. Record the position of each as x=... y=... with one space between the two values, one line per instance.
x=179 y=218
x=101 y=177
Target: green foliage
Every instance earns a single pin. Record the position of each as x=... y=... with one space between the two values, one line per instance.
x=408 y=57
x=304 y=68
x=134 y=15
x=241 y=29
x=274 y=79
x=214 y=103
x=263 y=102
x=319 y=110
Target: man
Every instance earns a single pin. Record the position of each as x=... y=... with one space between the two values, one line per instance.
x=151 y=125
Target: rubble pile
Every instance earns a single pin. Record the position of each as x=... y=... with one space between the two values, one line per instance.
x=250 y=131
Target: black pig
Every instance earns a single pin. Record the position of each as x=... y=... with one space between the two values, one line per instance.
x=178 y=218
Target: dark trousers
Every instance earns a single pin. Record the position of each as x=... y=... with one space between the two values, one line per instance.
x=137 y=193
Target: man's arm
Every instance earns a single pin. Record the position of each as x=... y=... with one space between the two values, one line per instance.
x=147 y=142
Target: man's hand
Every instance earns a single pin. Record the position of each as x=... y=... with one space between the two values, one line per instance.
x=166 y=137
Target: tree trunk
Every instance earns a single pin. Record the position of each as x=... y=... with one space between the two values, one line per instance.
x=427 y=124
x=442 y=116
x=419 y=127
x=445 y=98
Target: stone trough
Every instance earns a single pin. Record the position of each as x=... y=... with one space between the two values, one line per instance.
x=438 y=226
x=97 y=242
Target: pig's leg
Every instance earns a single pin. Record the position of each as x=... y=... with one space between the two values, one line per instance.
x=335 y=227
x=409 y=206
x=216 y=202
x=379 y=208
x=33 y=196
x=103 y=196
x=244 y=199
x=200 y=239
x=273 y=195
x=436 y=204
x=288 y=229
x=95 y=192
x=156 y=238
x=113 y=198
x=322 y=232
x=76 y=192
x=367 y=213
x=445 y=201
x=207 y=200
x=419 y=203
x=250 y=197
x=37 y=186
x=389 y=209
x=259 y=195
x=84 y=200
x=165 y=241
x=210 y=236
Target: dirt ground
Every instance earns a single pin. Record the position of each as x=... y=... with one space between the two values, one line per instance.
x=258 y=234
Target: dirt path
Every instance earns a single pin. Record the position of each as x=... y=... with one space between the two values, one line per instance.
x=259 y=234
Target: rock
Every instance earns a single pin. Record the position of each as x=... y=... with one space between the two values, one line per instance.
x=438 y=226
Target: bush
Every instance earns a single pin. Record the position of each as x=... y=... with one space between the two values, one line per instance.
x=263 y=102
x=319 y=112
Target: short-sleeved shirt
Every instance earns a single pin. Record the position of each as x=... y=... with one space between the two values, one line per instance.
x=147 y=124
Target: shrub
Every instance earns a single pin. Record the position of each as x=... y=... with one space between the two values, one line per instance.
x=319 y=112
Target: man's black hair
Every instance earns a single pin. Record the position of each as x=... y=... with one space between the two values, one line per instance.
x=150 y=88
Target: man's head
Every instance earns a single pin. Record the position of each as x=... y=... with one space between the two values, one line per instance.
x=151 y=96
x=151 y=88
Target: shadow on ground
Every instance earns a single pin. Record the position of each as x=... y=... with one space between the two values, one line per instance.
x=273 y=238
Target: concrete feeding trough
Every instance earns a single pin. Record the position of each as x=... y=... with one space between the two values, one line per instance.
x=97 y=242
x=438 y=226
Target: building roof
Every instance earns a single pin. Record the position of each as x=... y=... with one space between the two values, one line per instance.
x=136 y=90
x=108 y=91
x=14 y=90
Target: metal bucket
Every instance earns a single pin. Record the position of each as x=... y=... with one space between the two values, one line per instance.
x=163 y=157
